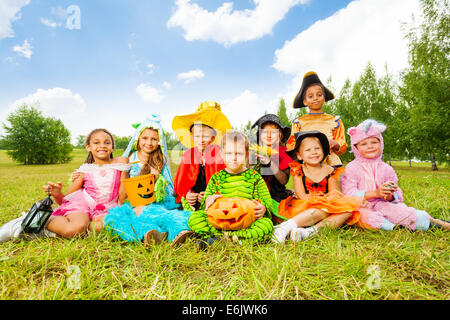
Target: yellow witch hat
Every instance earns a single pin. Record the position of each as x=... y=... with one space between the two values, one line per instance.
x=208 y=113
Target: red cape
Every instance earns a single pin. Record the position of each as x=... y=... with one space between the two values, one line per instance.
x=188 y=170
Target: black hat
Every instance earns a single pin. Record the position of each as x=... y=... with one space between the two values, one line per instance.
x=272 y=119
x=309 y=79
x=299 y=136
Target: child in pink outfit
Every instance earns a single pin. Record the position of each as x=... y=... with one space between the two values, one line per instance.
x=369 y=177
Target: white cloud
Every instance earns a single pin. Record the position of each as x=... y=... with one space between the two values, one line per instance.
x=59 y=103
x=247 y=106
x=228 y=26
x=24 y=50
x=50 y=23
x=148 y=93
x=10 y=12
x=342 y=45
x=167 y=85
x=151 y=68
x=191 y=75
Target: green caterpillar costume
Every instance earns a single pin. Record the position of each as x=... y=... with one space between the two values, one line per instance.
x=249 y=185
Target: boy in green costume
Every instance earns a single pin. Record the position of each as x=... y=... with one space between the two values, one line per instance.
x=236 y=180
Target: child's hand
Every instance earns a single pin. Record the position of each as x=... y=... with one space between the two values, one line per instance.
x=200 y=196
x=53 y=189
x=334 y=145
x=75 y=175
x=260 y=210
x=211 y=199
x=264 y=160
x=386 y=190
x=138 y=210
x=191 y=198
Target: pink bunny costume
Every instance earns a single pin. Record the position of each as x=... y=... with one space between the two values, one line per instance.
x=363 y=174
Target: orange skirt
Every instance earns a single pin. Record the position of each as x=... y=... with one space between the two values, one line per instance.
x=332 y=203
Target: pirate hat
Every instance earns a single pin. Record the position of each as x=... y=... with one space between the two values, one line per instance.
x=309 y=79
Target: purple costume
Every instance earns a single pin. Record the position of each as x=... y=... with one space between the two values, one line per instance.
x=362 y=175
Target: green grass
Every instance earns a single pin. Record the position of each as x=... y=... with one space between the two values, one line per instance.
x=332 y=265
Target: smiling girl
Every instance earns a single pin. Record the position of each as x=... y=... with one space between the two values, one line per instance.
x=162 y=219
x=317 y=201
x=96 y=189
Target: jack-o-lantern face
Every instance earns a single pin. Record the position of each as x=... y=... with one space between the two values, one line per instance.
x=231 y=213
x=140 y=190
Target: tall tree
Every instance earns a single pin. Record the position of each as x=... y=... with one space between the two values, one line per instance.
x=282 y=114
x=33 y=139
x=426 y=83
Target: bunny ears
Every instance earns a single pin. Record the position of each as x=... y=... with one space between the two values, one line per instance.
x=367 y=128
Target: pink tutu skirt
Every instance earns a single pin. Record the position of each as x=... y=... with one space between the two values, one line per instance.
x=80 y=201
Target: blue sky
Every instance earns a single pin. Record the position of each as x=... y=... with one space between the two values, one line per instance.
x=129 y=59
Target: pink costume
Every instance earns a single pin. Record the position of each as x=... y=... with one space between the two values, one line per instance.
x=362 y=175
x=100 y=191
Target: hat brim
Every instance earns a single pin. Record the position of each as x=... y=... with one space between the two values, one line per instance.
x=300 y=136
x=215 y=119
x=308 y=80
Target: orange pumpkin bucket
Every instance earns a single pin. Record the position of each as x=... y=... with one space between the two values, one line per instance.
x=140 y=190
x=231 y=213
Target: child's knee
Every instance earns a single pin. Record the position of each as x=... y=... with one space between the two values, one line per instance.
x=74 y=230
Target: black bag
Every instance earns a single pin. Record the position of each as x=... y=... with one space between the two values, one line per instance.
x=38 y=215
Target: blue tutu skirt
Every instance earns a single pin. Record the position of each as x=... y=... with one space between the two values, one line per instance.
x=164 y=216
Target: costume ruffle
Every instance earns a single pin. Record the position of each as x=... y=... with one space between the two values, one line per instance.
x=91 y=167
x=123 y=222
x=296 y=170
x=331 y=203
x=81 y=201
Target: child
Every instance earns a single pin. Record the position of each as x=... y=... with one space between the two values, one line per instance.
x=313 y=94
x=369 y=177
x=236 y=180
x=147 y=152
x=275 y=168
x=96 y=189
x=200 y=132
x=318 y=201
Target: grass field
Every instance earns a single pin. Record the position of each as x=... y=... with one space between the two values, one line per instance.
x=348 y=263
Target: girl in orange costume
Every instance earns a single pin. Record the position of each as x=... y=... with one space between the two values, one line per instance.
x=317 y=201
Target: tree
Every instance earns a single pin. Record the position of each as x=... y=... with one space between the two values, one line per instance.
x=121 y=142
x=374 y=98
x=80 y=141
x=426 y=83
x=33 y=139
x=282 y=114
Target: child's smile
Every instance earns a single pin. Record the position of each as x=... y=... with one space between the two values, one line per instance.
x=148 y=141
x=369 y=148
x=100 y=146
x=314 y=98
x=310 y=151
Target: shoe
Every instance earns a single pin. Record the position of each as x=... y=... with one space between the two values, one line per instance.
x=282 y=230
x=153 y=237
x=12 y=229
x=203 y=244
x=181 y=237
x=299 y=234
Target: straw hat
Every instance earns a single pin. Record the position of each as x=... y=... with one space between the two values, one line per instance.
x=208 y=114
